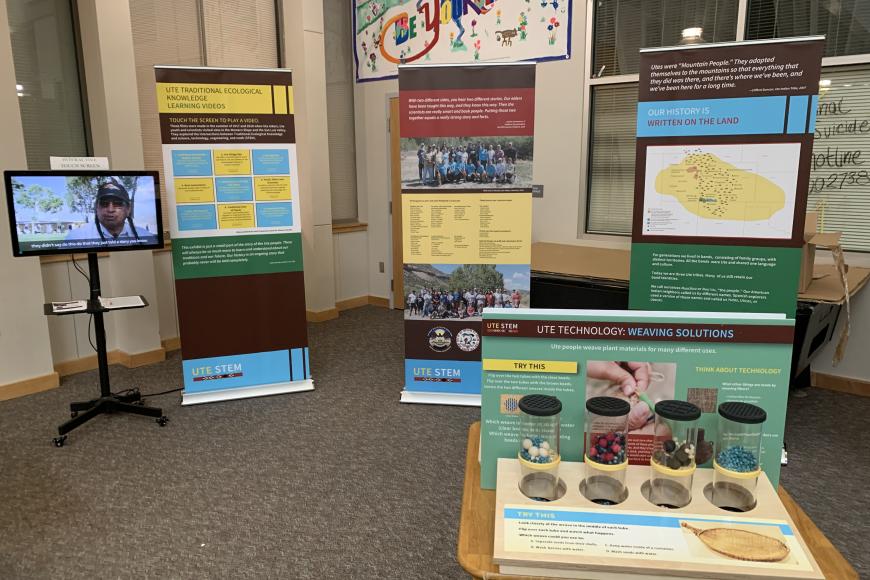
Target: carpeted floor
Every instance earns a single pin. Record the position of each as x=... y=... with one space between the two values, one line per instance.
x=340 y=482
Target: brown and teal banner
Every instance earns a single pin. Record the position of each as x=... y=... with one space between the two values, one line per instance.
x=229 y=158
x=724 y=148
x=467 y=153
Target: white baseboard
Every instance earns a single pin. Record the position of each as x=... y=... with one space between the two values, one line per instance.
x=246 y=392
x=457 y=399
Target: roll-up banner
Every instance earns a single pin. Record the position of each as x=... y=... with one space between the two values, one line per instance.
x=724 y=146
x=229 y=158
x=467 y=136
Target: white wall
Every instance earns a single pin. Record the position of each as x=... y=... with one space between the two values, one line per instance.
x=304 y=54
x=351 y=265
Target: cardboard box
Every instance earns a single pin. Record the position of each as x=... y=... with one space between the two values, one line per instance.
x=812 y=239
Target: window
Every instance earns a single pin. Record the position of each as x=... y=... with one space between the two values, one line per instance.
x=45 y=53
x=840 y=176
x=622 y=27
x=611 y=159
x=845 y=23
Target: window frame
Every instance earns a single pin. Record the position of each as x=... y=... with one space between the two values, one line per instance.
x=589 y=81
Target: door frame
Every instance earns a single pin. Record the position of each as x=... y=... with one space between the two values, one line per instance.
x=394 y=160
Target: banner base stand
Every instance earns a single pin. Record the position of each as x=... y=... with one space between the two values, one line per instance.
x=247 y=392
x=457 y=399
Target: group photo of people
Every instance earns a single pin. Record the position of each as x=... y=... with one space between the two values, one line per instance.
x=434 y=292
x=480 y=162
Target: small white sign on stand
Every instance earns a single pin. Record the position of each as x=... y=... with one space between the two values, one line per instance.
x=79 y=163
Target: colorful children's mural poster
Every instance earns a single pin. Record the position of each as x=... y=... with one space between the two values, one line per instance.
x=394 y=32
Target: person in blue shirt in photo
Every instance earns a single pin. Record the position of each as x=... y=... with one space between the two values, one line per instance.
x=457 y=170
x=490 y=172
x=483 y=156
x=470 y=171
x=442 y=170
x=481 y=172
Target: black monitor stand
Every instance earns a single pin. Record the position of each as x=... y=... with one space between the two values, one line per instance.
x=131 y=402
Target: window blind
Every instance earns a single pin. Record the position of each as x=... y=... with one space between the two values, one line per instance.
x=243 y=34
x=840 y=175
x=611 y=159
x=845 y=23
x=622 y=27
x=339 y=105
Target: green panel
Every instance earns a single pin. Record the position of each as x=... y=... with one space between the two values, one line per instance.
x=236 y=255
x=714 y=278
x=753 y=373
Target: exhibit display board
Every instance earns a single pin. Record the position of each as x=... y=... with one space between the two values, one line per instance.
x=467 y=151
x=229 y=158
x=641 y=357
x=388 y=33
x=724 y=148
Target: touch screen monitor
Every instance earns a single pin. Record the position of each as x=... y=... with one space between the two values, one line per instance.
x=65 y=212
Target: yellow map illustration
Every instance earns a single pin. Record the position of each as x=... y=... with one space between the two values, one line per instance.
x=711 y=188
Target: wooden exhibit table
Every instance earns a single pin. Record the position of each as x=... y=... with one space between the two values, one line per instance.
x=477 y=521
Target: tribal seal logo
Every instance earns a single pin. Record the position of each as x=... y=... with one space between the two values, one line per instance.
x=467 y=339
x=440 y=339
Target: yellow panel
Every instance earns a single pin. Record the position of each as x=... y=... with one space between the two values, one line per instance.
x=272 y=188
x=280 y=93
x=213 y=98
x=232 y=162
x=235 y=215
x=194 y=190
x=530 y=366
x=290 y=99
x=467 y=228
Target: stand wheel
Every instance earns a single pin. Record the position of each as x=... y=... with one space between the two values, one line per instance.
x=162 y=421
x=73 y=414
x=59 y=441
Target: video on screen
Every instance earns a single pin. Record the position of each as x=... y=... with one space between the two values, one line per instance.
x=56 y=213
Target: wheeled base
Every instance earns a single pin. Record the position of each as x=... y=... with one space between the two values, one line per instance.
x=83 y=411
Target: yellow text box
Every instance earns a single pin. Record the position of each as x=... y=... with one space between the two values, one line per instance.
x=530 y=366
x=467 y=228
x=280 y=93
x=272 y=188
x=194 y=190
x=235 y=215
x=232 y=162
x=214 y=98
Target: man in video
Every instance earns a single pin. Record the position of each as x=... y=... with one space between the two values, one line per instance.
x=114 y=221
